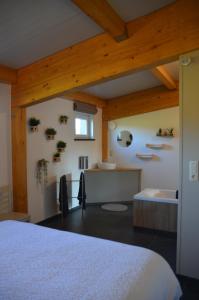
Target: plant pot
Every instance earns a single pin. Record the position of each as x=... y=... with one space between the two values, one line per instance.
x=63 y=122
x=33 y=128
x=50 y=137
x=61 y=150
x=56 y=159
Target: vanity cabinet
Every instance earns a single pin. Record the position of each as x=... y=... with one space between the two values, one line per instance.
x=115 y=185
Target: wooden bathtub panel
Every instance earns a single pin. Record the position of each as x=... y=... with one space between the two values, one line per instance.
x=154 y=215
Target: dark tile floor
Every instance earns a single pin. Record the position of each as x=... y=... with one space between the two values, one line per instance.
x=118 y=226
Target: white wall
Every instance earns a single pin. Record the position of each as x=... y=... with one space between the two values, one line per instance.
x=188 y=237
x=5 y=138
x=42 y=201
x=161 y=173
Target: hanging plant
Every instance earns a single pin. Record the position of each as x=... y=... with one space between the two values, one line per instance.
x=33 y=124
x=56 y=157
x=61 y=146
x=50 y=133
x=42 y=171
x=63 y=119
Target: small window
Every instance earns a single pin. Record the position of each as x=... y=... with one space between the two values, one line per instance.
x=84 y=126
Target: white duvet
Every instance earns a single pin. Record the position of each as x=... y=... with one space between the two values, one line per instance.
x=47 y=264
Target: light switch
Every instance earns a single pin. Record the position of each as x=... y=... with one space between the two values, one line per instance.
x=193 y=170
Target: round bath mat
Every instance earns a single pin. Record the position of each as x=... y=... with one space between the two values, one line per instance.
x=114 y=207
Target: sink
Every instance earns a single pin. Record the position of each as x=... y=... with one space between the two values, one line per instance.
x=106 y=165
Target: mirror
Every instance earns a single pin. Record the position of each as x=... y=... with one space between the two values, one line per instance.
x=124 y=138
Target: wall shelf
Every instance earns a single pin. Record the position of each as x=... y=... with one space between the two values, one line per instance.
x=155 y=146
x=165 y=135
x=145 y=155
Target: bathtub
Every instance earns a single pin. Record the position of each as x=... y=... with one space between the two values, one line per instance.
x=157 y=195
x=156 y=209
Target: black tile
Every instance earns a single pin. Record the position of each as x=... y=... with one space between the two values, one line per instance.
x=190 y=288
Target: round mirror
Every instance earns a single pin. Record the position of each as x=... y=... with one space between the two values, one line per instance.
x=124 y=138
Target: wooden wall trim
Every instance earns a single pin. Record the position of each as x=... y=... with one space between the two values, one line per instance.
x=19 y=168
x=105 y=16
x=141 y=102
x=154 y=39
x=7 y=75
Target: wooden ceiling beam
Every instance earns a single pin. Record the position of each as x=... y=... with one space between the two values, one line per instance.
x=165 y=78
x=141 y=102
x=86 y=98
x=155 y=39
x=7 y=75
x=105 y=16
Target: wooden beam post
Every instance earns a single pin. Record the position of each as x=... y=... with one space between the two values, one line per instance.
x=86 y=98
x=7 y=75
x=19 y=160
x=141 y=102
x=105 y=16
x=153 y=40
x=165 y=78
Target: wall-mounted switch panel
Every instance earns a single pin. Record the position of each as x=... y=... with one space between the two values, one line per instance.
x=193 y=170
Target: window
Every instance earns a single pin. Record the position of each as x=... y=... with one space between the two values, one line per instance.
x=84 y=126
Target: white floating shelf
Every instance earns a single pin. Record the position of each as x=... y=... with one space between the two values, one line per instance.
x=145 y=155
x=155 y=146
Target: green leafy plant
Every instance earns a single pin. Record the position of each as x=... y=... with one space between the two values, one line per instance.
x=61 y=146
x=50 y=133
x=33 y=123
x=42 y=171
x=170 y=131
x=63 y=119
x=57 y=154
x=56 y=157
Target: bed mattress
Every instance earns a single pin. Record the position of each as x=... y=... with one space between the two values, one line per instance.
x=46 y=264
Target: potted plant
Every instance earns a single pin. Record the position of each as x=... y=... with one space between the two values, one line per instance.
x=63 y=119
x=42 y=170
x=56 y=157
x=170 y=131
x=50 y=133
x=159 y=133
x=61 y=146
x=33 y=123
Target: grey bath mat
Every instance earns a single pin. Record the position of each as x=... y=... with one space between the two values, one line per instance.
x=114 y=207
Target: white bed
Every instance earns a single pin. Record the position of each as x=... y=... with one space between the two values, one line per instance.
x=47 y=264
